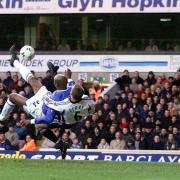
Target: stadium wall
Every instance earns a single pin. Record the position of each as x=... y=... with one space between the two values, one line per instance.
x=103 y=155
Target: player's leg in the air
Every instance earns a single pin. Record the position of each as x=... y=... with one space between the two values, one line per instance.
x=15 y=99
x=38 y=88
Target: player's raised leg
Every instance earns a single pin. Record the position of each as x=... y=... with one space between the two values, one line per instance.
x=24 y=71
x=16 y=99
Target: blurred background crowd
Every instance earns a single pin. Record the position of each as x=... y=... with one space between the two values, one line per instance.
x=143 y=114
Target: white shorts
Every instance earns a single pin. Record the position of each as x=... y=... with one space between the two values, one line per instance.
x=35 y=103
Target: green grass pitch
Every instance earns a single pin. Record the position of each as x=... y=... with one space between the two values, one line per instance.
x=86 y=170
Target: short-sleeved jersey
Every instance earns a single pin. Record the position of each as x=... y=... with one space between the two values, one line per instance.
x=58 y=95
x=70 y=112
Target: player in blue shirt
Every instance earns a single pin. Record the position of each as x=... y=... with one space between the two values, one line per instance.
x=58 y=95
x=34 y=106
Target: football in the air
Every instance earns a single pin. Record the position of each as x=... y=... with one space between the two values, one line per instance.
x=27 y=52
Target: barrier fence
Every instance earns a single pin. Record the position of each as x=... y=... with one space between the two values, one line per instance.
x=103 y=155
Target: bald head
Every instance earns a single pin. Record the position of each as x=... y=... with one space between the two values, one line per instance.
x=60 y=82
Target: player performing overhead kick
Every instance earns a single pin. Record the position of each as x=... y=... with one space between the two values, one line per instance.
x=72 y=110
x=34 y=106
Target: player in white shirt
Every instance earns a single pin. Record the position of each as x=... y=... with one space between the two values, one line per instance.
x=67 y=113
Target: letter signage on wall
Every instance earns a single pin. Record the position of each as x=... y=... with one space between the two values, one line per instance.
x=104 y=155
x=99 y=63
x=88 y=6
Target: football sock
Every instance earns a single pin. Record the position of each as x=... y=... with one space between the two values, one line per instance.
x=7 y=109
x=49 y=135
x=23 y=70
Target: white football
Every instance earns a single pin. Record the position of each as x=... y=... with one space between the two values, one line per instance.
x=27 y=53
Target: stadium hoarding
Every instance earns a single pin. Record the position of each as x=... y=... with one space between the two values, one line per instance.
x=99 y=63
x=103 y=155
x=88 y=6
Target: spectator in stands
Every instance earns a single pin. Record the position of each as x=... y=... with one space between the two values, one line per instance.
x=4 y=143
x=151 y=46
x=163 y=136
x=64 y=46
x=89 y=143
x=123 y=123
x=110 y=46
x=111 y=119
x=176 y=80
x=20 y=85
x=126 y=135
x=76 y=144
x=133 y=86
x=176 y=134
x=96 y=89
x=79 y=46
x=21 y=131
x=157 y=144
x=139 y=80
x=151 y=78
x=96 y=136
x=114 y=102
x=13 y=137
x=65 y=139
x=88 y=128
x=106 y=98
x=103 y=144
x=2 y=90
x=92 y=46
x=82 y=136
x=124 y=80
x=137 y=141
x=171 y=143
x=147 y=138
x=13 y=85
x=8 y=79
x=118 y=142
x=1 y=103
x=168 y=47
x=176 y=47
x=105 y=110
x=110 y=135
x=99 y=104
x=130 y=145
x=30 y=144
x=130 y=47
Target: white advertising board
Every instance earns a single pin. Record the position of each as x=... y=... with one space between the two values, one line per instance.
x=88 y=6
x=99 y=63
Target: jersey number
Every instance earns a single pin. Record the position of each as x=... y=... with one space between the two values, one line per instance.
x=77 y=117
x=36 y=103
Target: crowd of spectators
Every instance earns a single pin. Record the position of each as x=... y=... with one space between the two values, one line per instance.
x=114 y=45
x=143 y=114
